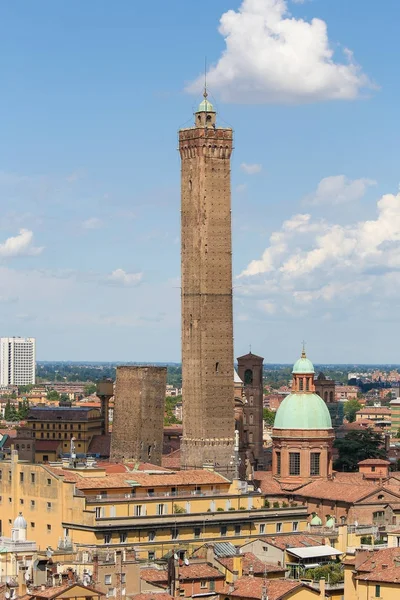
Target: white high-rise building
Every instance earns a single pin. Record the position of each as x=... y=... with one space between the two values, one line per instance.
x=17 y=361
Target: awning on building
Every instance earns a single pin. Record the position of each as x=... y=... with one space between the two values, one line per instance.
x=314 y=551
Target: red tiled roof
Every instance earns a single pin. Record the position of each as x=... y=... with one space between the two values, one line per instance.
x=186 y=573
x=251 y=560
x=121 y=480
x=53 y=592
x=374 y=461
x=151 y=596
x=252 y=587
x=350 y=478
x=294 y=540
x=199 y=571
x=43 y=445
x=381 y=565
x=154 y=575
x=333 y=490
x=100 y=444
x=374 y=410
x=128 y=467
x=267 y=483
x=172 y=460
x=9 y=432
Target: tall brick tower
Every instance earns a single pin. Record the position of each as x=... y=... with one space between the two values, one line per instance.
x=250 y=369
x=207 y=330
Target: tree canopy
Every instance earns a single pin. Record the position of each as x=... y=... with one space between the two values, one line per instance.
x=351 y=407
x=356 y=446
x=269 y=416
x=53 y=395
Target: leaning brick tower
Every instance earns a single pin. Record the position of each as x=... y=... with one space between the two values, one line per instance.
x=206 y=269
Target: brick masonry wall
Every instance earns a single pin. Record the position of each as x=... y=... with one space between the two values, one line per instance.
x=207 y=327
x=139 y=414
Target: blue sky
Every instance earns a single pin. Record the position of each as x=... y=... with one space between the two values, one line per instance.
x=93 y=94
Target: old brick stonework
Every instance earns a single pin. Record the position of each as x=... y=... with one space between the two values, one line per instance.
x=207 y=331
x=139 y=414
x=250 y=369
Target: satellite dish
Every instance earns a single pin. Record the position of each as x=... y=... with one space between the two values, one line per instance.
x=27 y=576
x=186 y=562
x=49 y=553
x=176 y=556
x=7 y=595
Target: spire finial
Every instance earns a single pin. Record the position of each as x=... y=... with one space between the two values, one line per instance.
x=205 y=94
x=303 y=353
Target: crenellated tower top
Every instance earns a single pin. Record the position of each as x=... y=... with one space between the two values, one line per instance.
x=205 y=138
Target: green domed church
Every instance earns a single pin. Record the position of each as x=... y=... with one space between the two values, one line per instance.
x=302 y=435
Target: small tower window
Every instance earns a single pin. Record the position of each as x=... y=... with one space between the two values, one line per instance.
x=307 y=384
x=248 y=377
x=301 y=384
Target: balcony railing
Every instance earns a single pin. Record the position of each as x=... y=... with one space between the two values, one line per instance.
x=148 y=496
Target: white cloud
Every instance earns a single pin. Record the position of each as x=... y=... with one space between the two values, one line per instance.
x=311 y=265
x=268 y=307
x=19 y=245
x=251 y=169
x=92 y=223
x=272 y=57
x=338 y=189
x=121 y=277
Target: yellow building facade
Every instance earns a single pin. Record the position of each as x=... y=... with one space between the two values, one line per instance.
x=59 y=424
x=152 y=511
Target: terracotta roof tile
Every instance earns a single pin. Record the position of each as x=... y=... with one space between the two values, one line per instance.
x=43 y=445
x=375 y=410
x=296 y=540
x=267 y=483
x=333 y=490
x=154 y=575
x=381 y=565
x=121 y=480
x=100 y=444
x=252 y=587
x=350 y=478
x=251 y=560
x=172 y=460
x=53 y=592
x=374 y=461
x=186 y=573
x=9 y=432
x=151 y=596
x=199 y=571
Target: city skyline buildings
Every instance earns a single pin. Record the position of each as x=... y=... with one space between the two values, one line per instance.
x=93 y=233
x=17 y=361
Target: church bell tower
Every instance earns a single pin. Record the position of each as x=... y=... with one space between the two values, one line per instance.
x=206 y=270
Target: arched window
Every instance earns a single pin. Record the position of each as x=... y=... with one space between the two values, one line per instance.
x=250 y=437
x=326 y=396
x=301 y=384
x=330 y=396
x=248 y=377
x=307 y=384
x=251 y=418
